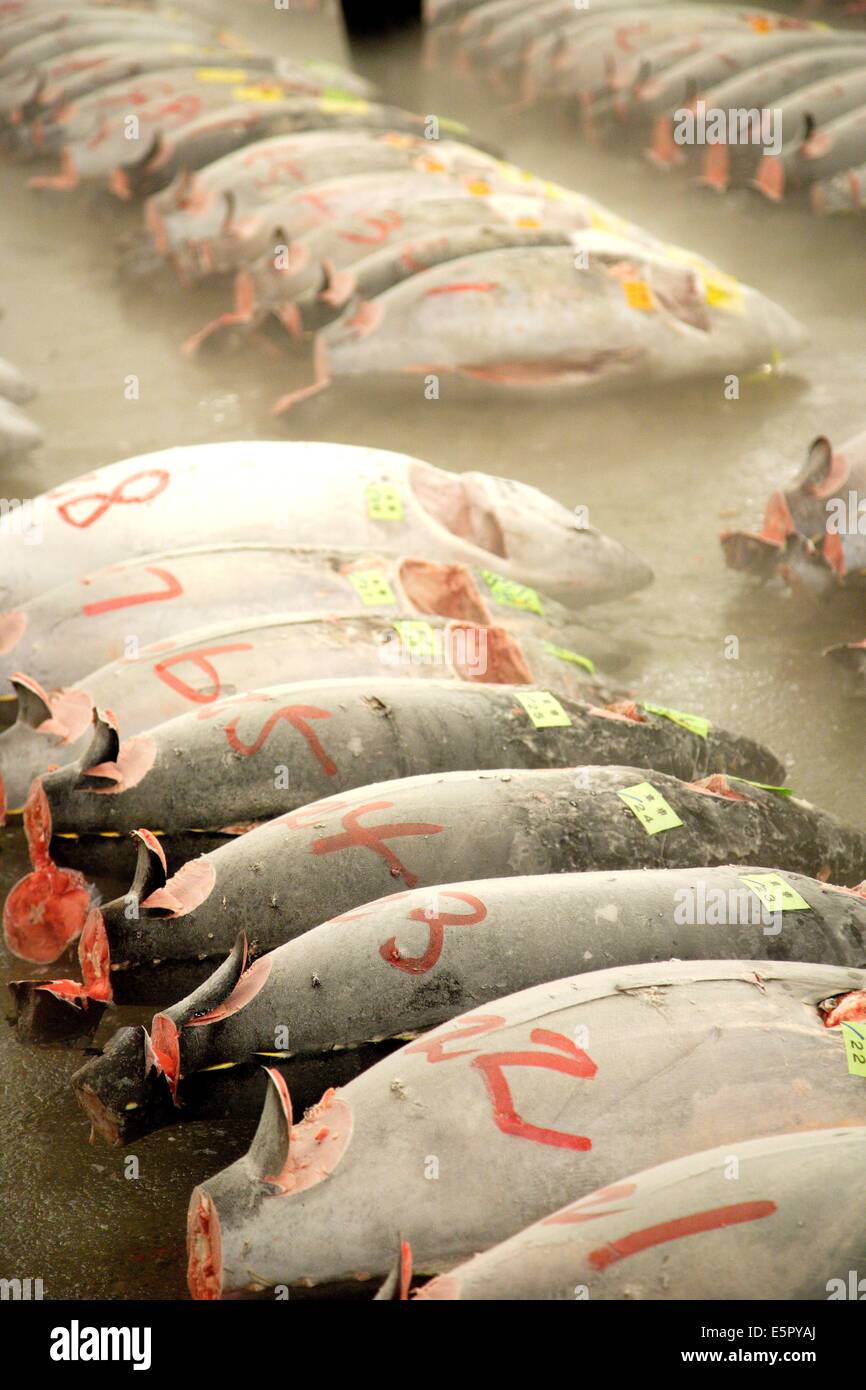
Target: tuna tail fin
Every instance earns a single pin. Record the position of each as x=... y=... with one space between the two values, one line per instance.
x=151 y=871
x=268 y=1154
x=104 y=748
x=34 y=707
x=397 y=1284
x=120 y=1091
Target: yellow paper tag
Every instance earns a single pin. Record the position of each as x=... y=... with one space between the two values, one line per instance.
x=638 y=295
x=335 y=102
x=695 y=723
x=650 y=808
x=775 y=892
x=722 y=292
x=544 y=710
x=418 y=638
x=221 y=74
x=260 y=92
x=563 y=654
x=511 y=594
x=372 y=586
x=384 y=503
x=855 y=1047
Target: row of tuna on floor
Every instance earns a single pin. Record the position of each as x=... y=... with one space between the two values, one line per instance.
x=396 y=241
x=592 y=901
x=732 y=95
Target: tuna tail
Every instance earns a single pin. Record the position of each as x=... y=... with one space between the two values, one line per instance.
x=398 y=1282
x=123 y=1095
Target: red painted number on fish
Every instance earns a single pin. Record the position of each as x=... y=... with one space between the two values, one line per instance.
x=297 y=716
x=382 y=227
x=436 y=924
x=117 y=498
x=173 y=588
x=573 y=1062
x=373 y=838
x=473 y=1027
x=695 y=1224
x=199 y=659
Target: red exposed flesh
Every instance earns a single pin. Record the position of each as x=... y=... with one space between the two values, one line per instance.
x=44 y=912
x=447 y=590
x=204 y=1271
x=850 y=1008
x=491 y=648
x=48 y=907
x=246 y=989
x=94 y=957
x=135 y=760
x=165 y=1046
x=717 y=785
x=311 y=1159
x=186 y=891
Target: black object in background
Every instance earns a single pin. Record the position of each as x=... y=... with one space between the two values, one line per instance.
x=377 y=16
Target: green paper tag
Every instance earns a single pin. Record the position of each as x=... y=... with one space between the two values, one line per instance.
x=418 y=638
x=775 y=893
x=855 y=1047
x=764 y=786
x=565 y=655
x=372 y=586
x=695 y=723
x=512 y=594
x=544 y=710
x=650 y=808
x=384 y=503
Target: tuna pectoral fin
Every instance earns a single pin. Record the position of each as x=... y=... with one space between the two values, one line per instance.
x=268 y=1154
x=34 y=707
x=104 y=749
x=215 y=991
x=396 y=1286
x=151 y=871
x=338 y=286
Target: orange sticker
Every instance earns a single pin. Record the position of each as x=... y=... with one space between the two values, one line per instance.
x=638 y=295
